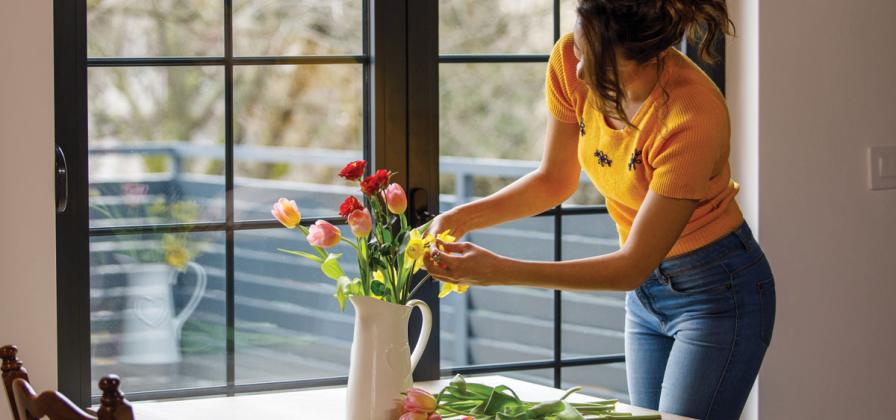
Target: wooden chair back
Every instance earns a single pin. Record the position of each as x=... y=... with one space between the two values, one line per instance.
x=12 y=369
x=27 y=405
x=52 y=404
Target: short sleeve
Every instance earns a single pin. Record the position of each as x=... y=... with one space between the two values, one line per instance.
x=686 y=155
x=558 y=89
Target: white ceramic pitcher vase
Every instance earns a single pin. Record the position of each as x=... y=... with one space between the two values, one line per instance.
x=150 y=328
x=382 y=362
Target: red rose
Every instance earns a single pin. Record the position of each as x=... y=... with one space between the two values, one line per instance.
x=376 y=182
x=348 y=206
x=353 y=171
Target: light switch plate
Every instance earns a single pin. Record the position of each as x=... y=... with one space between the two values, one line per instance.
x=882 y=167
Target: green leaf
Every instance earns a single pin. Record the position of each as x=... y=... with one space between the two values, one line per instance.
x=481 y=390
x=569 y=413
x=547 y=408
x=459 y=383
x=342 y=291
x=498 y=401
x=331 y=267
x=387 y=236
x=311 y=257
x=378 y=288
x=518 y=416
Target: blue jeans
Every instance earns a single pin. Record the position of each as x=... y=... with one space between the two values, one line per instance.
x=696 y=331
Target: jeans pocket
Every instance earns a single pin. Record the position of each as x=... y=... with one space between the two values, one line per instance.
x=711 y=279
x=766 y=291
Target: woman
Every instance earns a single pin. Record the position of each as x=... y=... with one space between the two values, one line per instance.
x=651 y=130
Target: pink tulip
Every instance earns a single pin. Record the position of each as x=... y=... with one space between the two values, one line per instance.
x=323 y=234
x=417 y=400
x=414 y=416
x=434 y=416
x=360 y=222
x=395 y=198
x=287 y=212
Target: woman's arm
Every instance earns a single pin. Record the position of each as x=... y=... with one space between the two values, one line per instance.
x=556 y=178
x=656 y=228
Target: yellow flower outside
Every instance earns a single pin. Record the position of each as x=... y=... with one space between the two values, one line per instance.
x=176 y=253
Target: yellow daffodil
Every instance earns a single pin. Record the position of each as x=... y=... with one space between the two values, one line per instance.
x=447 y=288
x=418 y=247
x=446 y=237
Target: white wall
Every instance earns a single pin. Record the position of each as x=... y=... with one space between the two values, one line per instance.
x=27 y=221
x=826 y=84
x=742 y=86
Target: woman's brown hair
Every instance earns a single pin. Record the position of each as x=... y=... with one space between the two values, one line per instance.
x=640 y=30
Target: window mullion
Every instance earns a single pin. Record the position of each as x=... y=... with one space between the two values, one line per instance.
x=423 y=147
x=230 y=298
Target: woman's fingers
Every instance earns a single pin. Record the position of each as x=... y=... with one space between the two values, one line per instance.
x=444 y=259
x=453 y=247
x=438 y=271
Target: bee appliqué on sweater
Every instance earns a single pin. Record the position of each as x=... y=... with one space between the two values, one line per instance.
x=602 y=158
x=635 y=160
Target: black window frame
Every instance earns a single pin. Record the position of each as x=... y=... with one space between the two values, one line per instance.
x=401 y=119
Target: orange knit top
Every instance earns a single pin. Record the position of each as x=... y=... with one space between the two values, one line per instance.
x=679 y=149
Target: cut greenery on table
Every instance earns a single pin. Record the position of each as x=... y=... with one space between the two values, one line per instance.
x=463 y=400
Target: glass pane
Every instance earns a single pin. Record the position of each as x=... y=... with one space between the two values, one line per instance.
x=586 y=194
x=593 y=322
x=155 y=141
x=502 y=324
x=497 y=26
x=489 y=111
x=602 y=381
x=127 y=28
x=295 y=128
x=288 y=324
x=297 y=27
x=567 y=16
x=157 y=310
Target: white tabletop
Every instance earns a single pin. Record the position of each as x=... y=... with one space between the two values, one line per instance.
x=325 y=404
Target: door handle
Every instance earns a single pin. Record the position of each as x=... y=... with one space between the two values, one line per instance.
x=61 y=177
x=419 y=203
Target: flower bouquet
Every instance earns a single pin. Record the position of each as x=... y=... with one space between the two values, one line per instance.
x=389 y=253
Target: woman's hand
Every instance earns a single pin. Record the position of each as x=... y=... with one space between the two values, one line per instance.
x=464 y=263
x=449 y=221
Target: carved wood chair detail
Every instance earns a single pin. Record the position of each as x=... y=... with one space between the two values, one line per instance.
x=28 y=405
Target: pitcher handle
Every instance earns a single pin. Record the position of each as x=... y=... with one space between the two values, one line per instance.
x=424 y=331
x=198 y=292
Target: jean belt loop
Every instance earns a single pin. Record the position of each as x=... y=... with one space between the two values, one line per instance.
x=744 y=236
x=661 y=275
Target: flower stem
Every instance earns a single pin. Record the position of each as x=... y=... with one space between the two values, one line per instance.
x=427 y=277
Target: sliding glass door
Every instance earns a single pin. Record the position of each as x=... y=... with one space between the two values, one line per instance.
x=183 y=122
